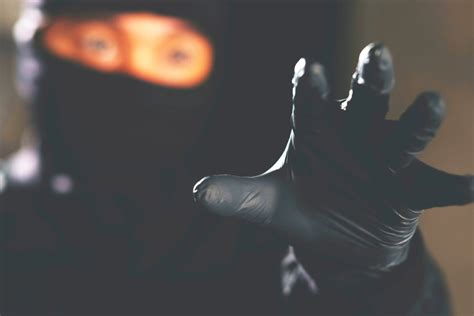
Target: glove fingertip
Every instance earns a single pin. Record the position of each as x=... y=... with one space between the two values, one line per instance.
x=215 y=194
x=470 y=189
x=199 y=189
x=429 y=108
x=375 y=68
x=299 y=69
x=458 y=191
x=310 y=75
x=210 y=193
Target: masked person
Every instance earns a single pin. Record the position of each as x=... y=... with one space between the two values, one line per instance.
x=135 y=101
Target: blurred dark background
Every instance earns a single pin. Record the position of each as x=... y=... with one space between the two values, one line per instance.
x=432 y=45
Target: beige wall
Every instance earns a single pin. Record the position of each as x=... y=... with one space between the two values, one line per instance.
x=8 y=12
x=12 y=115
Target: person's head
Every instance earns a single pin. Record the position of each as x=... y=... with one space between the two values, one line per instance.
x=126 y=89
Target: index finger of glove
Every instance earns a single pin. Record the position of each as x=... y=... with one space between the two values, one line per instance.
x=310 y=91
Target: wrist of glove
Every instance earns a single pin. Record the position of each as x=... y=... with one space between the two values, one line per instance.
x=348 y=190
x=397 y=291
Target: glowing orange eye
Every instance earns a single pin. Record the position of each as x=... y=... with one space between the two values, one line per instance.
x=92 y=43
x=99 y=46
x=182 y=61
x=178 y=57
x=166 y=50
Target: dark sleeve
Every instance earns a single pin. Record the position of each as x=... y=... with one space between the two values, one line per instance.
x=28 y=253
x=416 y=287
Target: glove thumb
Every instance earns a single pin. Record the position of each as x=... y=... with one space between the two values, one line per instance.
x=249 y=198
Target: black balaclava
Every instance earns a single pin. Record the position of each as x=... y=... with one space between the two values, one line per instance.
x=112 y=126
x=112 y=129
x=121 y=136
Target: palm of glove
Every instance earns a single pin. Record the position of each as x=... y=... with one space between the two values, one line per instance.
x=348 y=186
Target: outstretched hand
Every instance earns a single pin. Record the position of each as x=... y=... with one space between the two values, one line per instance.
x=348 y=185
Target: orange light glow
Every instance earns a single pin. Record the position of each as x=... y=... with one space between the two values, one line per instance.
x=163 y=50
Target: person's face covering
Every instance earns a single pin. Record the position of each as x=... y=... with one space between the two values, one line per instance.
x=128 y=88
x=129 y=91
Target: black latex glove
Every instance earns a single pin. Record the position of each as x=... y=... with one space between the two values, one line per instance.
x=348 y=186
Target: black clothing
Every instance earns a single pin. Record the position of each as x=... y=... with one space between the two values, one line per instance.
x=61 y=254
